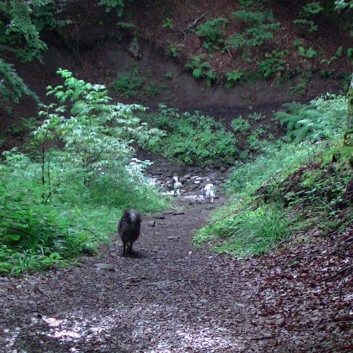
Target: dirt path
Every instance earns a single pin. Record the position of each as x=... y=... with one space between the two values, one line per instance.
x=169 y=297
x=172 y=298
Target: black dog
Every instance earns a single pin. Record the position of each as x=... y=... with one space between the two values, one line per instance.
x=129 y=229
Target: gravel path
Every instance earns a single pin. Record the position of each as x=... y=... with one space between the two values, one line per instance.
x=168 y=297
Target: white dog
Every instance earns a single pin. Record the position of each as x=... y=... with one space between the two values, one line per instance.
x=209 y=193
x=176 y=185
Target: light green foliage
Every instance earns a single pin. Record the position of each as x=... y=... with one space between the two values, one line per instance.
x=212 y=32
x=343 y=4
x=276 y=158
x=57 y=204
x=260 y=27
x=240 y=125
x=247 y=226
x=202 y=69
x=324 y=118
x=98 y=134
x=309 y=10
x=273 y=63
x=234 y=77
x=190 y=137
x=312 y=8
x=309 y=53
x=310 y=25
x=254 y=140
x=175 y=49
x=168 y=23
x=248 y=232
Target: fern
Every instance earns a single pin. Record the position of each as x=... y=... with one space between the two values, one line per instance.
x=118 y=5
x=12 y=87
x=261 y=26
x=323 y=119
x=212 y=32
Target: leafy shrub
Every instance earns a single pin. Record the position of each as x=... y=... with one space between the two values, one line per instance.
x=310 y=25
x=20 y=28
x=57 y=204
x=168 y=23
x=260 y=28
x=240 y=125
x=299 y=88
x=190 y=137
x=309 y=10
x=12 y=87
x=324 y=118
x=117 y=5
x=212 y=32
x=233 y=77
x=202 y=69
x=256 y=219
x=309 y=53
x=174 y=48
x=128 y=84
x=273 y=63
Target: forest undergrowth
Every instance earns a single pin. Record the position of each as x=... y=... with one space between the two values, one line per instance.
x=60 y=203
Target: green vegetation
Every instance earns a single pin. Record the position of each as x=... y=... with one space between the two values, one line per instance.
x=117 y=5
x=190 y=137
x=58 y=203
x=168 y=23
x=273 y=63
x=201 y=69
x=234 y=77
x=212 y=33
x=309 y=53
x=175 y=49
x=309 y=10
x=292 y=184
x=133 y=85
x=252 y=232
x=260 y=26
x=21 y=25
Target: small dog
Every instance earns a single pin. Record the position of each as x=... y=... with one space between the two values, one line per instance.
x=129 y=229
x=208 y=192
x=176 y=185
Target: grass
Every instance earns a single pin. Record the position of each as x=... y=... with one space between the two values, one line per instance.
x=288 y=187
x=247 y=232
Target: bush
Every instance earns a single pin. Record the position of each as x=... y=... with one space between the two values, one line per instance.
x=190 y=137
x=57 y=204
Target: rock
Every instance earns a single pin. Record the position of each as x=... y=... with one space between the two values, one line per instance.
x=151 y=224
x=178 y=213
x=134 y=49
x=159 y=216
x=107 y=267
